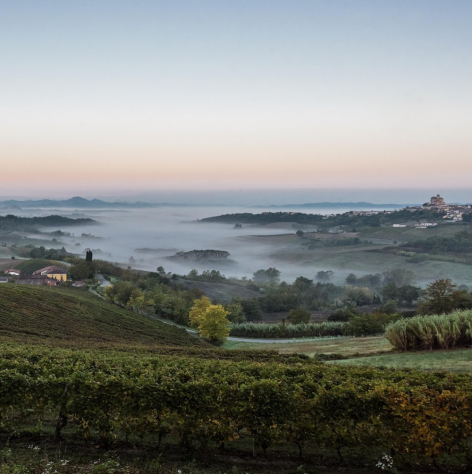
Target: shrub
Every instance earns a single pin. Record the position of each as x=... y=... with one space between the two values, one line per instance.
x=443 y=331
x=297 y=316
x=369 y=324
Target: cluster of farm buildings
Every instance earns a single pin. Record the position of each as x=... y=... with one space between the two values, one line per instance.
x=49 y=276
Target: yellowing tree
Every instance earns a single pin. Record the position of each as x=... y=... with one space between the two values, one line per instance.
x=198 y=310
x=210 y=320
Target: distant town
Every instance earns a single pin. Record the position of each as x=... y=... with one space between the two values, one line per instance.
x=451 y=212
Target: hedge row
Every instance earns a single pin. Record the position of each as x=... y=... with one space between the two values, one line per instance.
x=263 y=330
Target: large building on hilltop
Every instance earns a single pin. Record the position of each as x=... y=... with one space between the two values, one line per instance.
x=437 y=201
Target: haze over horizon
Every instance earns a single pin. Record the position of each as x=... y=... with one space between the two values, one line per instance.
x=137 y=98
x=261 y=197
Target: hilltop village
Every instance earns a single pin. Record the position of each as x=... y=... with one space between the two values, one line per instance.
x=450 y=212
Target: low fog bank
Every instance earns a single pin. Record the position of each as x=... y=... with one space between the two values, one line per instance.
x=143 y=238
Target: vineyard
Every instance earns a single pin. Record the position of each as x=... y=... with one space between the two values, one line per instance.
x=419 y=418
x=129 y=380
x=27 y=267
x=62 y=317
x=325 y=329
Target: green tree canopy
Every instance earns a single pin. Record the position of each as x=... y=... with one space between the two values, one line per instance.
x=297 y=316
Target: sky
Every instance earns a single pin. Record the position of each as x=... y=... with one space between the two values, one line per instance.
x=134 y=97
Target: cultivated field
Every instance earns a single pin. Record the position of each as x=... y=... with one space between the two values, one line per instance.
x=345 y=346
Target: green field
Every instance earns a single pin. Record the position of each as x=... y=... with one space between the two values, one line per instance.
x=457 y=360
x=344 y=346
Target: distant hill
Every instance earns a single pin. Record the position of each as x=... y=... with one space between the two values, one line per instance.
x=340 y=205
x=76 y=202
x=11 y=222
x=349 y=219
x=61 y=317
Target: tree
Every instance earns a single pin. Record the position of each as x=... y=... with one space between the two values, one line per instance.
x=351 y=279
x=81 y=270
x=88 y=256
x=300 y=233
x=358 y=296
x=235 y=311
x=408 y=293
x=121 y=292
x=160 y=270
x=439 y=297
x=210 y=320
x=297 y=316
x=192 y=274
x=251 y=309
x=390 y=291
x=303 y=284
x=372 y=280
x=198 y=309
x=324 y=275
x=399 y=276
x=271 y=275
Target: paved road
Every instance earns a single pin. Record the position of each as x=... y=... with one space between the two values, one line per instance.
x=103 y=282
x=243 y=339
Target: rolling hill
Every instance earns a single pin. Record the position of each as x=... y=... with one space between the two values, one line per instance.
x=65 y=318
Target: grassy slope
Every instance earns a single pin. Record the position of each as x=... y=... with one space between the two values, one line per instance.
x=458 y=360
x=61 y=317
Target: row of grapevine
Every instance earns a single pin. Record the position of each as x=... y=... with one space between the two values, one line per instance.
x=263 y=330
x=413 y=413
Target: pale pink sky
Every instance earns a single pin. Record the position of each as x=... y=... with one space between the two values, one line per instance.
x=98 y=96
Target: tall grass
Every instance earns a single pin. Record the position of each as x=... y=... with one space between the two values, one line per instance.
x=274 y=331
x=443 y=331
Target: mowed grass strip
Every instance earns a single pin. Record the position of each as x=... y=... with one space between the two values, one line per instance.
x=455 y=360
x=345 y=346
x=44 y=315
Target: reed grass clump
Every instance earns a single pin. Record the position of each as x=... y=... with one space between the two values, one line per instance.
x=440 y=331
x=274 y=331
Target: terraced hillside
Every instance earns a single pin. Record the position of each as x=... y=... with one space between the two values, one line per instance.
x=59 y=317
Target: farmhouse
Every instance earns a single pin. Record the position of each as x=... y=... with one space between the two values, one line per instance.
x=57 y=273
x=37 y=280
x=13 y=272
